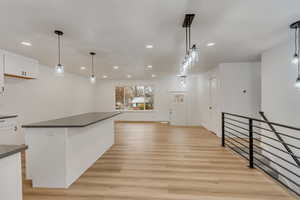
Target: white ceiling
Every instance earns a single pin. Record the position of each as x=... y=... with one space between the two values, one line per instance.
x=118 y=30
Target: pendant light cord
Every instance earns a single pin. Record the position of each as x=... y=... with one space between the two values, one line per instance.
x=297 y=45
x=186 y=40
x=93 y=71
x=58 y=39
x=189 y=35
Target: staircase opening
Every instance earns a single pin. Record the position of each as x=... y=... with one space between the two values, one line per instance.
x=269 y=146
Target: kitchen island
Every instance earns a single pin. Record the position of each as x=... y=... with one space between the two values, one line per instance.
x=61 y=150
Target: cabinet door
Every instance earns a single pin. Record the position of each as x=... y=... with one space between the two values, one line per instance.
x=13 y=65
x=20 y=66
x=31 y=69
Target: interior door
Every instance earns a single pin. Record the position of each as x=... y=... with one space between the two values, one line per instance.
x=213 y=105
x=178 y=109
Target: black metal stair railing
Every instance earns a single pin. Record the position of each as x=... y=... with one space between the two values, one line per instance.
x=272 y=151
x=286 y=146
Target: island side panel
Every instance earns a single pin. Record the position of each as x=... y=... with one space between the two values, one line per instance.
x=11 y=177
x=46 y=157
x=86 y=145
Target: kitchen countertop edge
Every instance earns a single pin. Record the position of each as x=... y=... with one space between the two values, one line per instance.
x=7 y=116
x=71 y=126
x=13 y=149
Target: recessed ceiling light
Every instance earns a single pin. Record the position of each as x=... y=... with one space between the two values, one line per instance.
x=153 y=75
x=149 y=46
x=149 y=66
x=129 y=76
x=26 y=43
x=104 y=76
x=210 y=44
x=83 y=68
x=116 y=67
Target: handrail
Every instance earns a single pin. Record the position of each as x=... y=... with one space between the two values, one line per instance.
x=259 y=120
x=280 y=138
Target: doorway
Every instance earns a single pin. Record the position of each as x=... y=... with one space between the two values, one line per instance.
x=178 y=108
x=213 y=105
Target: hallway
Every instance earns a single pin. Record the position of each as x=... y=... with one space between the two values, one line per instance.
x=159 y=162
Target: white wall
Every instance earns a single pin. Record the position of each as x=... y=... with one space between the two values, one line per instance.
x=162 y=88
x=47 y=97
x=232 y=79
x=280 y=99
x=235 y=78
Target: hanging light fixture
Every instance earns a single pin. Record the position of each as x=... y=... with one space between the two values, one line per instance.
x=296 y=27
x=295 y=60
x=182 y=80
x=297 y=84
x=195 y=54
x=191 y=52
x=59 y=68
x=93 y=77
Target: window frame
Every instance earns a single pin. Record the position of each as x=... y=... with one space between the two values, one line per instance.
x=135 y=85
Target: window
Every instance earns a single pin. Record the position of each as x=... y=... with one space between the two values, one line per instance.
x=134 y=97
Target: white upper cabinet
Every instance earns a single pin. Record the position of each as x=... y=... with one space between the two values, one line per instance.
x=20 y=66
x=1 y=73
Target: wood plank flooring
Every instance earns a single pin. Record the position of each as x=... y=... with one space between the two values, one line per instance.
x=152 y=161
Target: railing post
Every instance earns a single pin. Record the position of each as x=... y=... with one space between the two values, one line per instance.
x=251 y=158
x=223 y=129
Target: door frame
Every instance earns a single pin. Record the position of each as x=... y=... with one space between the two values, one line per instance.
x=213 y=109
x=170 y=105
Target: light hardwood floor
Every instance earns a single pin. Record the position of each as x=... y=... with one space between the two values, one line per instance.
x=152 y=161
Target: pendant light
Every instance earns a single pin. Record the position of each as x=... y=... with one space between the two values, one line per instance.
x=295 y=60
x=191 y=52
x=93 y=77
x=296 y=27
x=59 y=68
x=182 y=80
x=297 y=84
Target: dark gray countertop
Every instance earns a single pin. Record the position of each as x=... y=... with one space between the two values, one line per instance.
x=7 y=150
x=75 y=121
x=7 y=116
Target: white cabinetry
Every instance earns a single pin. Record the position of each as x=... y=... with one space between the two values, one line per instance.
x=10 y=133
x=20 y=66
x=11 y=177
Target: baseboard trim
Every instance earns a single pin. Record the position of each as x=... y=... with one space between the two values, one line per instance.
x=185 y=126
x=158 y=122
x=150 y=122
